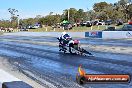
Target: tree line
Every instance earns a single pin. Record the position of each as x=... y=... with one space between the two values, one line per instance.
x=102 y=11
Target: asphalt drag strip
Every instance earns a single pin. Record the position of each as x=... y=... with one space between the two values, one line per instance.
x=50 y=68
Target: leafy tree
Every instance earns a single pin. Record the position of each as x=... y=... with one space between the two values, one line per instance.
x=72 y=14
x=5 y=23
x=50 y=19
x=124 y=7
x=98 y=7
x=80 y=15
x=129 y=11
x=91 y=15
x=101 y=10
x=13 y=17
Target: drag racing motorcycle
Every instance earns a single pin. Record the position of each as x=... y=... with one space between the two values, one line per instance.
x=72 y=46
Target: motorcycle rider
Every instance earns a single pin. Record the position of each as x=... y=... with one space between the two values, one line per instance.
x=66 y=40
x=63 y=38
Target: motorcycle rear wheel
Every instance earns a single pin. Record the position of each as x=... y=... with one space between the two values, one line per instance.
x=72 y=51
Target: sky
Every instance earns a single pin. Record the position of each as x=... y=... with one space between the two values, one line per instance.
x=31 y=8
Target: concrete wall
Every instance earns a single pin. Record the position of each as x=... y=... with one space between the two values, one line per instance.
x=109 y=34
x=52 y=34
x=116 y=34
x=91 y=34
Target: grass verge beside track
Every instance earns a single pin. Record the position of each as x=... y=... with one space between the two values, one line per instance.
x=1 y=33
x=74 y=29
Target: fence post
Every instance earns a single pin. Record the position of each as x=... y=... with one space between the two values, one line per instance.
x=46 y=28
x=54 y=29
x=106 y=26
x=91 y=27
x=98 y=27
